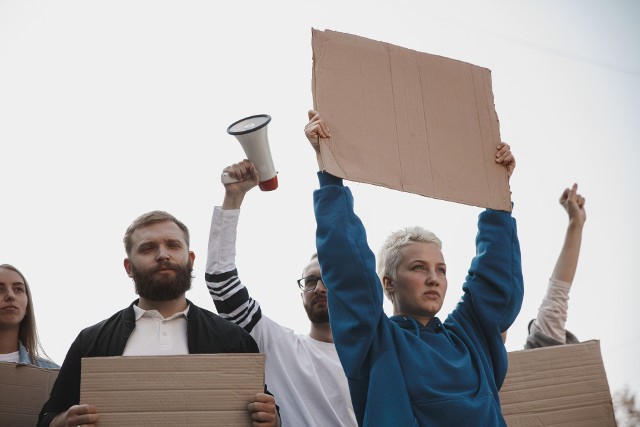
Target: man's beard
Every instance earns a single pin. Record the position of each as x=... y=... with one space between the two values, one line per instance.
x=162 y=288
x=315 y=314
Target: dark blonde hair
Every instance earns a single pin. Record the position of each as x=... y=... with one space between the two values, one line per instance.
x=28 y=333
x=148 y=219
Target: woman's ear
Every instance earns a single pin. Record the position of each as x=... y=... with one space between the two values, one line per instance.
x=388 y=286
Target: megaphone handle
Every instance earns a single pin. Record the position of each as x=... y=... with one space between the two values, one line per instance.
x=227 y=179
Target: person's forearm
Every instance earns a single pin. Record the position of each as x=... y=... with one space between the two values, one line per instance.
x=221 y=249
x=232 y=201
x=565 y=268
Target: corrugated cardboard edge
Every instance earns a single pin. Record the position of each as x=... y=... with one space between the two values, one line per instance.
x=399 y=162
x=564 y=385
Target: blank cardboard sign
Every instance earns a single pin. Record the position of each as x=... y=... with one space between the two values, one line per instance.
x=564 y=385
x=23 y=391
x=189 y=390
x=408 y=120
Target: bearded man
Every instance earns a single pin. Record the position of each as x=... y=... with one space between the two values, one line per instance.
x=161 y=322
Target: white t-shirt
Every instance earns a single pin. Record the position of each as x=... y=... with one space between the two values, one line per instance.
x=10 y=357
x=304 y=375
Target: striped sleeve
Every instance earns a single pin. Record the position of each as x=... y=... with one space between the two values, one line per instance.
x=232 y=299
x=229 y=295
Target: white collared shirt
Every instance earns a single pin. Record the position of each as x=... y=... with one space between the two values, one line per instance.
x=156 y=336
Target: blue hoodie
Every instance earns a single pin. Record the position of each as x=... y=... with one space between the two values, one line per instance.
x=400 y=372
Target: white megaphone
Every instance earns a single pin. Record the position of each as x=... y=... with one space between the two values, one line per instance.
x=252 y=134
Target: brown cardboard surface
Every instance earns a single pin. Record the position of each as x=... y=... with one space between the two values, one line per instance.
x=408 y=120
x=557 y=386
x=23 y=391
x=193 y=390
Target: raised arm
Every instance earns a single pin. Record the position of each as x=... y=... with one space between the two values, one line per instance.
x=567 y=263
x=347 y=264
x=549 y=325
x=229 y=295
x=247 y=175
x=494 y=286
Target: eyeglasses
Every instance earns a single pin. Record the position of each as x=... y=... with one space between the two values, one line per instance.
x=309 y=283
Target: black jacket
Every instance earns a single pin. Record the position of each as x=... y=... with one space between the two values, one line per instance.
x=206 y=333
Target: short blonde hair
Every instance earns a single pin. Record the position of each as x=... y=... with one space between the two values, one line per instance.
x=389 y=254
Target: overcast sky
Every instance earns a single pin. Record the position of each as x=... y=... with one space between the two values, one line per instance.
x=112 y=109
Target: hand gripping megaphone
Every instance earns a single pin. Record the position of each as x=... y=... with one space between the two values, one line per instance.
x=252 y=134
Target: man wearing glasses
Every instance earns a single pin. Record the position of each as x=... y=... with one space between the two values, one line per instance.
x=303 y=371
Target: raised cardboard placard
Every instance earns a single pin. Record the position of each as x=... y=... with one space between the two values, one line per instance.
x=189 y=390
x=564 y=385
x=408 y=120
x=23 y=391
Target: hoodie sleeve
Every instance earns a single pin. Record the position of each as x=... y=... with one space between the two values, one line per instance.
x=493 y=288
x=348 y=271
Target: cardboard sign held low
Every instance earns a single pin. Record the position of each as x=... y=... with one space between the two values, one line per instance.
x=408 y=120
x=190 y=390
x=23 y=391
x=564 y=385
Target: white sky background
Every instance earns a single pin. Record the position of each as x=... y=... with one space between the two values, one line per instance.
x=112 y=109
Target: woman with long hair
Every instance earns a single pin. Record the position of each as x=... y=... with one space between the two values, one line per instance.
x=19 y=341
